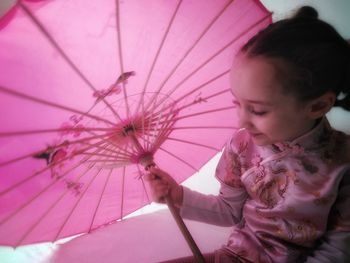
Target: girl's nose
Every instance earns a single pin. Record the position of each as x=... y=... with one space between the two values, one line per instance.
x=243 y=119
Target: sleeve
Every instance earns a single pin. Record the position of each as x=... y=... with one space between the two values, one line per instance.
x=335 y=245
x=224 y=209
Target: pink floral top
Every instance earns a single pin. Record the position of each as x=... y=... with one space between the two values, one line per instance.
x=281 y=198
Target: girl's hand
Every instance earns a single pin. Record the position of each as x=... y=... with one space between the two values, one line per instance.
x=162 y=185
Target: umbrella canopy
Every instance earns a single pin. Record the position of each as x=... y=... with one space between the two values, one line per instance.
x=90 y=91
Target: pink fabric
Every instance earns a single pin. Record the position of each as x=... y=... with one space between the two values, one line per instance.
x=69 y=73
x=282 y=198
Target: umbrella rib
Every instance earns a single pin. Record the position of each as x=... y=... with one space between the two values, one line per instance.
x=157 y=54
x=120 y=161
x=51 y=104
x=51 y=165
x=143 y=184
x=200 y=113
x=114 y=158
x=117 y=153
x=180 y=159
x=54 y=43
x=189 y=93
x=205 y=99
x=165 y=130
x=50 y=208
x=203 y=113
x=104 y=160
x=111 y=165
x=202 y=86
x=120 y=52
x=31 y=132
x=117 y=161
x=161 y=129
x=196 y=114
x=206 y=29
x=123 y=191
x=193 y=143
x=97 y=155
x=116 y=146
x=65 y=143
x=214 y=56
x=206 y=127
x=76 y=204
x=99 y=201
x=145 y=190
x=40 y=193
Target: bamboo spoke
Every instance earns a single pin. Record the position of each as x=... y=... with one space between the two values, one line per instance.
x=48 y=167
x=99 y=200
x=157 y=56
x=212 y=57
x=204 y=99
x=51 y=104
x=123 y=193
x=36 y=224
x=120 y=52
x=203 y=113
x=143 y=184
x=31 y=132
x=165 y=130
x=53 y=42
x=176 y=102
x=76 y=204
x=180 y=159
x=206 y=29
x=206 y=127
x=54 y=147
x=193 y=143
x=30 y=200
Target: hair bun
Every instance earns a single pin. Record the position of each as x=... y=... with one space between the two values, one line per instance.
x=306 y=12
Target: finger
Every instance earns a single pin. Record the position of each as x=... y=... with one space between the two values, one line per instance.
x=160 y=192
x=149 y=177
x=156 y=171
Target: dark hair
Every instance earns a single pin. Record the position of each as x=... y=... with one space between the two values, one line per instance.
x=316 y=55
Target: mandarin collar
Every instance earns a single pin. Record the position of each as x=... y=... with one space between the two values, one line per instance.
x=318 y=137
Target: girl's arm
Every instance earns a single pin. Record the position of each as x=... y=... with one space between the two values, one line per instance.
x=224 y=209
x=335 y=245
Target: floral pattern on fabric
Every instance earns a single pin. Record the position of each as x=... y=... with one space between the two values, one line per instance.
x=280 y=199
x=235 y=158
x=291 y=189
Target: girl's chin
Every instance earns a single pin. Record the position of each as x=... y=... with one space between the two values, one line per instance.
x=260 y=140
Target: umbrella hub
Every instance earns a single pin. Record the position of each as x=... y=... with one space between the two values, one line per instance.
x=128 y=129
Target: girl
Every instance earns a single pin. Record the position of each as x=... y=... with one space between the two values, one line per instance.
x=285 y=176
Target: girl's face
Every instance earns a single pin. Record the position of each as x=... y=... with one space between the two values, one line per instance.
x=268 y=114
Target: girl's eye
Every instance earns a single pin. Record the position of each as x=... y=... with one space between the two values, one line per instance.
x=258 y=113
x=249 y=109
x=236 y=103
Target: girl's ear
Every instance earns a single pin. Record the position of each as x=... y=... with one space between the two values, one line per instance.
x=320 y=106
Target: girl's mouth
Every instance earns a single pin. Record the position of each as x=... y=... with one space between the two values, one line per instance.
x=255 y=134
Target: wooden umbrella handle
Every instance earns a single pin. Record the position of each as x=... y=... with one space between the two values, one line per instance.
x=147 y=162
x=187 y=235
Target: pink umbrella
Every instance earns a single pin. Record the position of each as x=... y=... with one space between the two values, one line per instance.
x=92 y=92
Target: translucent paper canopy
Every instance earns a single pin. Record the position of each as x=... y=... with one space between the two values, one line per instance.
x=92 y=91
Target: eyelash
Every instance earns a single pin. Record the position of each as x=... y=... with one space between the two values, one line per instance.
x=251 y=110
x=258 y=113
